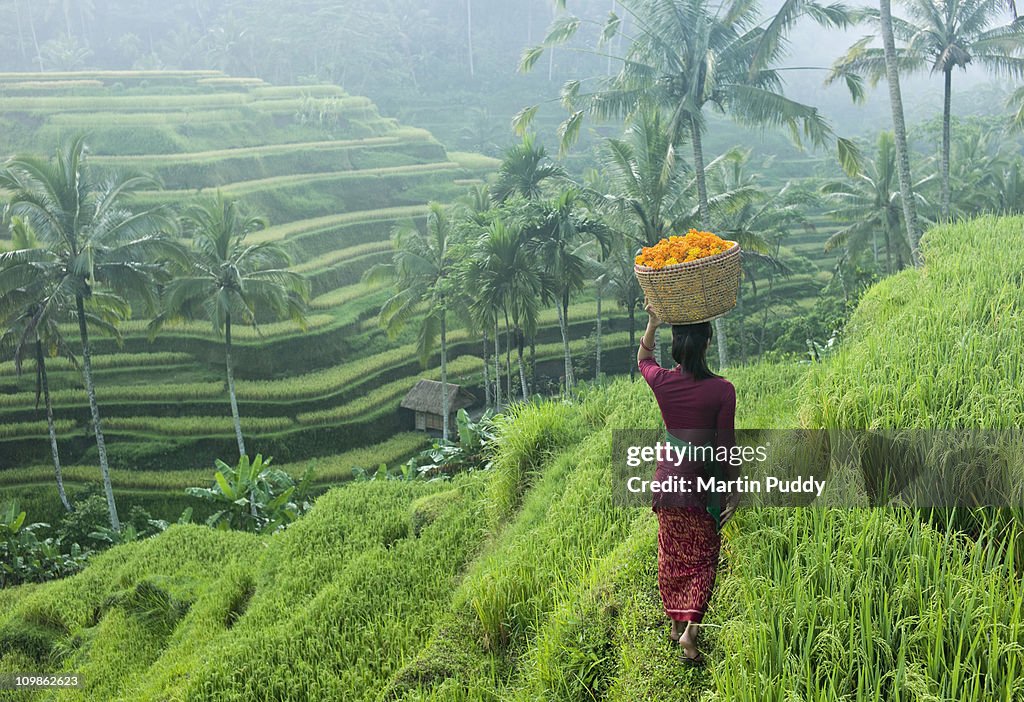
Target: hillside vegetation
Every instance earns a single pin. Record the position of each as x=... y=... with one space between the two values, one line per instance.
x=524 y=582
x=333 y=178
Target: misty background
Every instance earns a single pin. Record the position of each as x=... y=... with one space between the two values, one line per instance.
x=447 y=65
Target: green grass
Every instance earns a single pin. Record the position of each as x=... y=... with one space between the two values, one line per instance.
x=938 y=347
x=152 y=161
x=242 y=188
x=307 y=226
x=120 y=104
x=525 y=583
x=326 y=470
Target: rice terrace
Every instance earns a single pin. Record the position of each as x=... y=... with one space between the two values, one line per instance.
x=326 y=331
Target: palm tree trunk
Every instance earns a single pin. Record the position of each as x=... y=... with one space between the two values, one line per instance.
x=742 y=323
x=487 y=380
x=231 y=387
x=597 y=367
x=899 y=129
x=21 y=31
x=705 y=223
x=632 y=342
x=469 y=35
x=533 y=362
x=508 y=355
x=522 y=368
x=563 y=325
x=947 y=89
x=608 y=70
x=94 y=408
x=35 y=38
x=44 y=384
x=444 y=378
x=698 y=170
x=497 y=366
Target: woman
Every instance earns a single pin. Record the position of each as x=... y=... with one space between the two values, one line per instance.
x=698 y=408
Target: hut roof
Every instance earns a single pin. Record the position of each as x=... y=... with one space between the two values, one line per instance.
x=426 y=396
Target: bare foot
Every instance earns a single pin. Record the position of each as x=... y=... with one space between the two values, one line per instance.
x=688 y=643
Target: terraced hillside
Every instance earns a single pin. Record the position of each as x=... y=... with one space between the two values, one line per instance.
x=334 y=178
x=331 y=175
x=526 y=582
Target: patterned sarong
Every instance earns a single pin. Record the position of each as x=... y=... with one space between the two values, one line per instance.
x=688 y=549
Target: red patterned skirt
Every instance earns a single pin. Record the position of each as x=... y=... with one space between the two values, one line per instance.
x=688 y=548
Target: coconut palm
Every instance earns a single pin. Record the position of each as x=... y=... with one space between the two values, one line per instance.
x=559 y=231
x=624 y=289
x=943 y=35
x=690 y=55
x=96 y=249
x=229 y=281
x=649 y=193
x=421 y=271
x=509 y=284
x=28 y=324
x=755 y=218
x=524 y=170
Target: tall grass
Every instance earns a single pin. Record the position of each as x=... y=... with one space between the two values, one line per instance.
x=866 y=605
x=937 y=347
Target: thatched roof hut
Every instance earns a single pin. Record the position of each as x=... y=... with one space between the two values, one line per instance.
x=425 y=400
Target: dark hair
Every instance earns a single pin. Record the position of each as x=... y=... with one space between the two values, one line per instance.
x=689 y=348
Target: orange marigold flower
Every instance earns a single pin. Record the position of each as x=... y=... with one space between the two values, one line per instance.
x=682 y=249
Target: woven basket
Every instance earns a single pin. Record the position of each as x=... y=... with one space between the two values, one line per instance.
x=698 y=291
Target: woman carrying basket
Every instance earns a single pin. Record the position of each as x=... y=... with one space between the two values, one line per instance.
x=698 y=408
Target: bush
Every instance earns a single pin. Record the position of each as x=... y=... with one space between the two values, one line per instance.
x=254 y=497
x=26 y=557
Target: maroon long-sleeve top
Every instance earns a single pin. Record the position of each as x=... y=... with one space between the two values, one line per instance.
x=702 y=412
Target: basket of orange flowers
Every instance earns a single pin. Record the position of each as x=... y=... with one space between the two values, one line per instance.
x=691 y=278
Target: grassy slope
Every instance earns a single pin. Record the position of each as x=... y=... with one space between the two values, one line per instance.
x=524 y=582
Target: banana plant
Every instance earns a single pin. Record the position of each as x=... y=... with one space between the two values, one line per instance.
x=24 y=557
x=252 y=496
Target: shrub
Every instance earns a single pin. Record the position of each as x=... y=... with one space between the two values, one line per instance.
x=25 y=557
x=254 y=497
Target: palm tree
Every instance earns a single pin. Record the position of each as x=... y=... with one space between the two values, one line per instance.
x=524 y=170
x=648 y=193
x=944 y=35
x=509 y=283
x=421 y=271
x=626 y=291
x=96 y=248
x=228 y=280
x=558 y=233
x=892 y=78
x=28 y=321
x=690 y=55
x=754 y=217
x=870 y=206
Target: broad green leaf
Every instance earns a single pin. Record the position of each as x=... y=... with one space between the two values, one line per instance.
x=225 y=487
